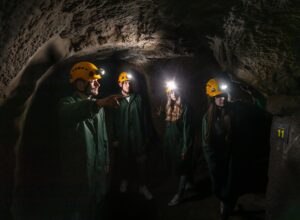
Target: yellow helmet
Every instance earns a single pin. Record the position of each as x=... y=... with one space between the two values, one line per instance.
x=124 y=76
x=168 y=90
x=213 y=88
x=84 y=70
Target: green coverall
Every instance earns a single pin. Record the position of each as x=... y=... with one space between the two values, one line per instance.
x=131 y=131
x=178 y=141
x=84 y=153
x=131 y=126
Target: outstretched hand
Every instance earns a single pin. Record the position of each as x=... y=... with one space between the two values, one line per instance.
x=110 y=101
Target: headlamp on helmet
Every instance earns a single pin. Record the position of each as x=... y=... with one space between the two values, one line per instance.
x=171 y=86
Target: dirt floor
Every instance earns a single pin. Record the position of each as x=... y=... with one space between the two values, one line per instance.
x=198 y=203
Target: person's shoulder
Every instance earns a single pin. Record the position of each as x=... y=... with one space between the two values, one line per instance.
x=237 y=104
x=137 y=97
x=68 y=99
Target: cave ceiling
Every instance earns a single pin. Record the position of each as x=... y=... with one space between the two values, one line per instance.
x=254 y=41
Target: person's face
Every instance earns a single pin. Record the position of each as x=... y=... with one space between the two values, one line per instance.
x=92 y=87
x=172 y=94
x=220 y=101
x=126 y=87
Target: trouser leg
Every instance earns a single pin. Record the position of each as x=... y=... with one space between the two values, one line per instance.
x=141 y=173
x=182 y=184
x=228 y=207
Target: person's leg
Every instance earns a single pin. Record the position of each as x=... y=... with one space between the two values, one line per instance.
x=101 y=212
x=182 y=184
x=142 y=177
x=124 y=173
x=180 y=192
x=227 y=207
x=190 y=181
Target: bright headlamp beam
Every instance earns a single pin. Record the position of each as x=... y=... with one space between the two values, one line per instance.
x=129 y=76
x=171 y=85
x=223 y=87
x=102 y=72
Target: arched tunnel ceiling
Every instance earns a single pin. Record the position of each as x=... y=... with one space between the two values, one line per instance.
x=257 y=41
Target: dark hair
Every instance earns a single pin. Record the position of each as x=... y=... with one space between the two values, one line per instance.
x=211 y=117
x=211 y=111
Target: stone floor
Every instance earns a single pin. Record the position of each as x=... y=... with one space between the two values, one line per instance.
x=199 y=204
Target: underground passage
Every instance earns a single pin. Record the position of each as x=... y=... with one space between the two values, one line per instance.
x=147 y=109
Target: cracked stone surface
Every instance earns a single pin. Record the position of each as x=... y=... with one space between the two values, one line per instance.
x=253 y=40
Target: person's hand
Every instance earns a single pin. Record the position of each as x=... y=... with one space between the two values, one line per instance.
x=110 y=101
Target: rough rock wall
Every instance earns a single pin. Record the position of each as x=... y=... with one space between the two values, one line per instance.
x=258 y=43
x=283 y=196
x=149 y=28
x=23 y=25
x=261 y=45
x=84 y=23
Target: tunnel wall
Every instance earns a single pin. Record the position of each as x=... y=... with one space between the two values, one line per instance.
x=283 y=195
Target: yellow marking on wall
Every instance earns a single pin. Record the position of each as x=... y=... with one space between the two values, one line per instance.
x=280 y=132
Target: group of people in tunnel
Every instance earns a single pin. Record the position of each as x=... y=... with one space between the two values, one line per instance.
x=91 y=127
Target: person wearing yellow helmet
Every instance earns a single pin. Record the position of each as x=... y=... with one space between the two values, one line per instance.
x=178 y=141
x=230 y=132
x=215 y=142
x=84 y=152
x=132 y=124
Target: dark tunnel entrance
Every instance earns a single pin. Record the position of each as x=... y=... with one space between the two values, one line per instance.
x=37 y=181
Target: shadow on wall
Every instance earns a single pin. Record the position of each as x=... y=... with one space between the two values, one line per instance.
x=12 y=113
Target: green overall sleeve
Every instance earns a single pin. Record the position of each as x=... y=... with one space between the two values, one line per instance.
x=74 y=112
